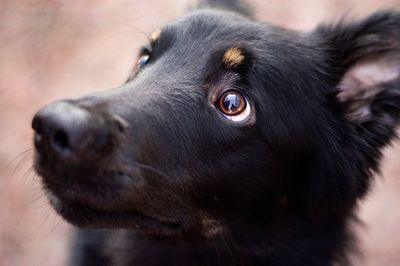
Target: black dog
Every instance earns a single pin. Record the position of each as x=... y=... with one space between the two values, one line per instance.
x=232 y=143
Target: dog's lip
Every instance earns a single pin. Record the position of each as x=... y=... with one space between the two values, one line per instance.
x=74 y=206
x=86 y=210
x=93 y=190
x=84 y=215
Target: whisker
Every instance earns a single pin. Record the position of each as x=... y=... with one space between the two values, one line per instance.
x=27 y=173
x=134 y=29
x=41 y=206
x=151 y=169
x=35 y=178
x=19 y=156
x=58 y=222
x=28 y=136
x=46 y=216
x=23 y=160
x=223 y=240
x=36 y=198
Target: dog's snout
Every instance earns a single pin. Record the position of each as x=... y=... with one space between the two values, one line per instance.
x=65 y=130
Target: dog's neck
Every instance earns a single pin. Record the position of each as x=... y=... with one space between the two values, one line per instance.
x=287 y=240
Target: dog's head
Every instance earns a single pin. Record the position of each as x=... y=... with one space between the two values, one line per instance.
x=224 y=119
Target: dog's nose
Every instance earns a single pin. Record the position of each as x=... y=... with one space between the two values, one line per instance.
x=65 y=130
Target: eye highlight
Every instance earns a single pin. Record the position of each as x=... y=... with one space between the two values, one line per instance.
x=142 y=61
x=234 y=106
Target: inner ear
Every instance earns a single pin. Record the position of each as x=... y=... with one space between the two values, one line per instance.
x=364 y=81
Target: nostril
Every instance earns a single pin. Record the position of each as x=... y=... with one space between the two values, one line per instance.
x=68 y=132
x=60 y=139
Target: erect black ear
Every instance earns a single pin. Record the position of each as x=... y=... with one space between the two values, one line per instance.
x=364 y=60
x=368 y=55
x=231 y=5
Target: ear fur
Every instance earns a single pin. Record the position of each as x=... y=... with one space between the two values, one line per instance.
x=367 y=53
x=366 y=58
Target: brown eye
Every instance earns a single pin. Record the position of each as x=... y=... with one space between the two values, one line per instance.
x=232 y=103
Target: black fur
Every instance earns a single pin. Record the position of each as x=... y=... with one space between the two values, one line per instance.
x=156 y=157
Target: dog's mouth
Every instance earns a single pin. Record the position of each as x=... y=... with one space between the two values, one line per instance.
x=105 y=200
x=87 y=216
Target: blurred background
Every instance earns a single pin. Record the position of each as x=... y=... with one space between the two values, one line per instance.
x=52 y=49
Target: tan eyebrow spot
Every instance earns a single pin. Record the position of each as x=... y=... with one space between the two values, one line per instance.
x=155 y=35
x=233 y=57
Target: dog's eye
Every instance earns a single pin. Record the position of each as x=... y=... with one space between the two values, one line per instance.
x=142 y=62
x=232 y=103
x=234 y=106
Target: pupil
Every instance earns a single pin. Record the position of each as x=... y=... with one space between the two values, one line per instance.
x=232 y=102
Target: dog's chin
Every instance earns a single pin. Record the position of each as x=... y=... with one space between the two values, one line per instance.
x=87 y=216
x=103 y=202
x=112 y=198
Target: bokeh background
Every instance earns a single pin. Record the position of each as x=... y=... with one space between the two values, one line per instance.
x=52 y=49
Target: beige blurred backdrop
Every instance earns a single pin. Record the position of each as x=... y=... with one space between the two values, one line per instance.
x=51 y=49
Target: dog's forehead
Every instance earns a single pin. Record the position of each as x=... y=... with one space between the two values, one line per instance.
x=204 y=45
x=204 y=32
x=203 y=36
x=206 y=24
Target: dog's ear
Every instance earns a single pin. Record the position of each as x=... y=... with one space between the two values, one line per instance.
x=231 y=5
x=367 y=55
x=364 y=59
